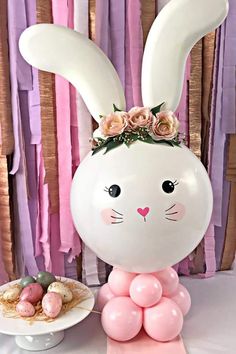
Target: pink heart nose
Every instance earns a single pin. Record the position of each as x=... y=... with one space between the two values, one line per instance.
x=143 y=212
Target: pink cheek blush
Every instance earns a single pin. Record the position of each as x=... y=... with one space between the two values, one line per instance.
x=180 y=210
x=108 y=216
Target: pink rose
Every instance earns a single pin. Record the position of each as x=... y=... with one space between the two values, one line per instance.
x=113 y=124
x=165 y=126
x=139 y=117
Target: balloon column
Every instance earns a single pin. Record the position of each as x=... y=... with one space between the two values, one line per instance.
x=140 y=200
x=155 y=301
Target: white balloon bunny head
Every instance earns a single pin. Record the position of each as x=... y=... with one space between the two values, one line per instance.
x=144 y=207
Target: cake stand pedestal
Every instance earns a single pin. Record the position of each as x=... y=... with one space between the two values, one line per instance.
x=41 y=342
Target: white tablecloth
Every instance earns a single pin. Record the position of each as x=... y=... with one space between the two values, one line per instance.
x=210 y=327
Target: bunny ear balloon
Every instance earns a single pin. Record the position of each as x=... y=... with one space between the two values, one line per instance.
x=72 y=55
x=180 y=24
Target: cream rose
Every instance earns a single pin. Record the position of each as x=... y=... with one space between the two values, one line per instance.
x=165 y=126
x=139 y=117
x=113 y=124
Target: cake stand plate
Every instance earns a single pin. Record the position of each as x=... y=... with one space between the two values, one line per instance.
x=41 y=335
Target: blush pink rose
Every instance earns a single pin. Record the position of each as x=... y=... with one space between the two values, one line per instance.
x=114 y=124
x=139 y=117
x=165 y=126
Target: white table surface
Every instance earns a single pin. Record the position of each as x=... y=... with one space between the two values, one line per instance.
x=209 y=328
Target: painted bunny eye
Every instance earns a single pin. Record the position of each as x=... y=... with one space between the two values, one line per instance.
x=169 y=186
x=114 y=191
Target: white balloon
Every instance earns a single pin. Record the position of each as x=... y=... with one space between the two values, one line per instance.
x=62 y=51
x=121 y=230
x=180 y=24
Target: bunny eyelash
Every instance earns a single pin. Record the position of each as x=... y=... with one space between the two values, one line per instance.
x=176 y=183
x=106 y=189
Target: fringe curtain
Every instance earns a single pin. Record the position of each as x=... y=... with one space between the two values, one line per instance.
x=37 y=109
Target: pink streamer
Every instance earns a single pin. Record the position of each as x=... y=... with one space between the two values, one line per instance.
x=134 y=51
x=89 y=262
x=182 y=114
x=3 y=274
x=73 y=110
x=47 y=231
x=69 y=238
x=58 y=264
x=104 y=11
x=33 y=94
x=43 y=231
x=209 y=250
x=209 y=239
x=136 y=47
x=182 y=110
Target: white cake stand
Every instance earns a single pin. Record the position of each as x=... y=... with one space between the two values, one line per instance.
x=44 y=335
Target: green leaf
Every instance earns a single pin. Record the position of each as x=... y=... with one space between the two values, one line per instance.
x=112 y=145
x=134 y=137
x=148 y=140
x=176 y=143
x=167 y=142
x=102 y=145
x=101 y=140
x=97 y=149
x=156 y=109
x=116 y=109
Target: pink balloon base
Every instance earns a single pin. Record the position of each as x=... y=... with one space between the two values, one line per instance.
x=155 y=303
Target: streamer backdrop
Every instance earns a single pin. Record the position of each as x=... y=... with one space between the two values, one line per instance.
x=45 y=130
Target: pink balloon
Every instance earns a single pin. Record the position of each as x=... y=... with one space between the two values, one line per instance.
x=104 y=295
x=122 y=318
x=145 y=290
x=169 y=280
x=164 y=321
x=119 y=282
x=182 y=298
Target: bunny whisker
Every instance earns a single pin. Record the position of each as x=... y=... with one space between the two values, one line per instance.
x=117 y=212
x=176 y=212
x=117 y=222
x=171 y=207
x=170 y=219
x=116 y=217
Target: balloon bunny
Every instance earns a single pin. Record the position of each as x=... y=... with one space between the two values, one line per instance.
x=145 y=207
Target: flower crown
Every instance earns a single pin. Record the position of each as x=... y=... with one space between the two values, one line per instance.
x=151 y=126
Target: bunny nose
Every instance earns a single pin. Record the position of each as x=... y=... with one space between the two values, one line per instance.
x=143 y=212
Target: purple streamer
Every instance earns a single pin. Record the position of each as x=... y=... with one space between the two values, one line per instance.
x=228 y=122
x=102 y=26
x=16 y=24
x=134 y=52
x=32 y=180
x=34 y=95
x=117 y=35
x=219 y=139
